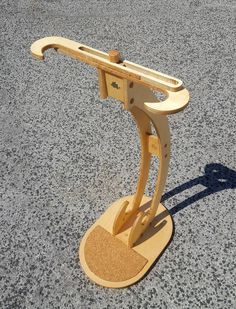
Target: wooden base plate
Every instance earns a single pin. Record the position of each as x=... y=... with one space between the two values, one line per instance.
x=109 y=262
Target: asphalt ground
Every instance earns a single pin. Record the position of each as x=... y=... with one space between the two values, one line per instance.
x=66 y=155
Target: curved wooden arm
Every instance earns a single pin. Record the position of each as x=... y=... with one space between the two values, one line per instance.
x=177 y=96
x=69 y=47
x=175 y=102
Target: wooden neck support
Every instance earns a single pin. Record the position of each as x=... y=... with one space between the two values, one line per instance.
x=130 y=217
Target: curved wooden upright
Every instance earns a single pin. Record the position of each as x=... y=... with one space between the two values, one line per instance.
x=119 y=248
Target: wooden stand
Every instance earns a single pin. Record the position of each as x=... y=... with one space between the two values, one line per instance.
x=124 y=242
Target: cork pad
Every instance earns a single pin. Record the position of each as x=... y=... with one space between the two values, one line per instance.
x=109 y=258
x=108 y=261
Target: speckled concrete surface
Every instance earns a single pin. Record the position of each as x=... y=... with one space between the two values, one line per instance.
x=66 y=155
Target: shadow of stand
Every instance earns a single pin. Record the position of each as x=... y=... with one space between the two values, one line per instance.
x=217 y=178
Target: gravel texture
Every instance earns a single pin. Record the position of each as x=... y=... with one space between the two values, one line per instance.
x=66 y=155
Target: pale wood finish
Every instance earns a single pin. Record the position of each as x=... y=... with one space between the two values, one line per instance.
x=154 y=145
x=114 y=56
x=121 y=217
x=102 y=84
x=150 y=245
x=115 y=87
x=130 y=219
x=144 y=118
x=177 y=96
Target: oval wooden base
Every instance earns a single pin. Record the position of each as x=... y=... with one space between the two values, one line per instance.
x=108 y=261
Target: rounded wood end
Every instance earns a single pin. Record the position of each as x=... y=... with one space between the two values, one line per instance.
x=114 y=56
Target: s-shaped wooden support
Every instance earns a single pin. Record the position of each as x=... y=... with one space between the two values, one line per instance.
x=124 y=242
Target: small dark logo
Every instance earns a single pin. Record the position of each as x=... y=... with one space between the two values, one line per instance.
x=115 y=85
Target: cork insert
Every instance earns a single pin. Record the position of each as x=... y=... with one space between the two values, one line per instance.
x=109 y=258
